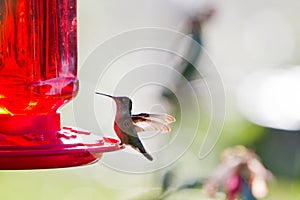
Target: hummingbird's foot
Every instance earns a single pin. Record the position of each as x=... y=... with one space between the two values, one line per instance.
x=122 y=145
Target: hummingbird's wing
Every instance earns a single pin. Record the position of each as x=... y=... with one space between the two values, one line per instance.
x=126 y=131
x=152 y=122
x=165 y=118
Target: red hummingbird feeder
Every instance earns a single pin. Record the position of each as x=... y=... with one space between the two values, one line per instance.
x=38 y=75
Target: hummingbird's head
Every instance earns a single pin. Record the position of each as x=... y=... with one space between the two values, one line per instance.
x=122 y=100
x=123 y=103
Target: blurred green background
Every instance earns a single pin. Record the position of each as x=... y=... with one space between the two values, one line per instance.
x=255 y=46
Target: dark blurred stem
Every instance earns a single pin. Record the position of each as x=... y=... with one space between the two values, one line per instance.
x=192 y=185
x=165 y=194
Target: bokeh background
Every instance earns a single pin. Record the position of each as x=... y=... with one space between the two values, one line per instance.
x=255 y=46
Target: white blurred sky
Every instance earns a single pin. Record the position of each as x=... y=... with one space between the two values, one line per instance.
x=241 y=37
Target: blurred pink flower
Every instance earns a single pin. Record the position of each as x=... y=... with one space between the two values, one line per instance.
x=240 y=168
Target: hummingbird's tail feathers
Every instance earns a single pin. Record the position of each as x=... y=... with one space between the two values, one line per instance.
x=144 y=152
x=148 y=156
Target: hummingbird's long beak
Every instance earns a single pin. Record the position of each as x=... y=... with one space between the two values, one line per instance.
x=104 y=94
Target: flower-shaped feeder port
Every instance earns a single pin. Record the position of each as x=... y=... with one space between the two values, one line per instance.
x=73 y=148
x=67 y=148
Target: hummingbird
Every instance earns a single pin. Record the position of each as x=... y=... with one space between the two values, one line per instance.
x=128 y=125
